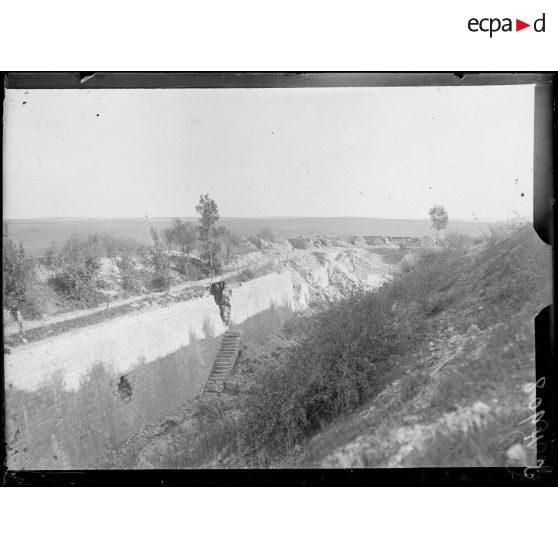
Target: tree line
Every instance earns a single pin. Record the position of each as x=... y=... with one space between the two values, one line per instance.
x=183 y=251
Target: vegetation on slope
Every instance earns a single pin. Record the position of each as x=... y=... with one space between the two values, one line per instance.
x=451 y=331
x=431 y=370
x=461 y=338
x=85 y=269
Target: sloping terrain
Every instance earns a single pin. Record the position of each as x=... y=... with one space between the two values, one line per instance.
x=330 y=273
x=434 y=369
x=462 y=396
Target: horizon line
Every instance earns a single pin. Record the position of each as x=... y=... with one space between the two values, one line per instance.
x=482 y=220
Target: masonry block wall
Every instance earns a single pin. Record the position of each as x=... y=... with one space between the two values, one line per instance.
x=73 y=396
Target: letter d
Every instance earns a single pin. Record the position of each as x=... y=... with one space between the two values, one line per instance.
x=541 y=30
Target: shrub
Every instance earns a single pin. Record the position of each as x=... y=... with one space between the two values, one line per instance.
x=419 y=290
x=80 y=264
x=17 y=275
x=503 y=229
x=160 y=282
x=131 y=277
x=457 y=241
x=183 y=235
x=344 y=356
x=49 y=257
x=113 y=246
x=246 y=275
x=340 y=362
x=345 y=351
x=159 y=259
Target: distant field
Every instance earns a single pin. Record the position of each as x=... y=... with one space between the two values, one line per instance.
x=37 y=234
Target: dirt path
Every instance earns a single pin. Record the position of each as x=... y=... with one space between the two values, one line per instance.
x=53 y=325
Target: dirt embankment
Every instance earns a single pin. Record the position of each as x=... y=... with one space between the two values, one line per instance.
x=331 y=273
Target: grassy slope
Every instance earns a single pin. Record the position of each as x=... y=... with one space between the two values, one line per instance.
x=458 y=398
x=430 y=371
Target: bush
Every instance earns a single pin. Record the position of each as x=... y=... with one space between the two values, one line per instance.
x=131 y=277
x=113 y=246
x=245 y=275
x=344 y=356
x=160 y=262
x=17 y=275
x=339 y=363
x=345 y=352
x=419 y=290
x=503 y=229
x=457 y=241
x=190 y=269
x=49 y=258
x=80 y=264
x=183 y=235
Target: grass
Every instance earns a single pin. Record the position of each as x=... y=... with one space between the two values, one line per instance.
x=475 y=306
x=482 y=447
x=490 y=371
x=212 y=432
x=344 y=359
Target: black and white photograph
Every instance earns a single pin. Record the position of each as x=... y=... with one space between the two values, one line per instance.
x=278 y=272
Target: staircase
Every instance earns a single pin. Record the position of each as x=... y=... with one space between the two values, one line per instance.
x=226 y=357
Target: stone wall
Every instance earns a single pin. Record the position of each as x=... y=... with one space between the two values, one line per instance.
x=73 y=396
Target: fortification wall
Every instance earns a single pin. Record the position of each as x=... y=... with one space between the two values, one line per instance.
x=73 y=396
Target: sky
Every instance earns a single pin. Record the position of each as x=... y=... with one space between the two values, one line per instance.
x=343 y=152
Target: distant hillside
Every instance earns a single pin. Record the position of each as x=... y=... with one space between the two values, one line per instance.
x=341 y=226
x=37 y=234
